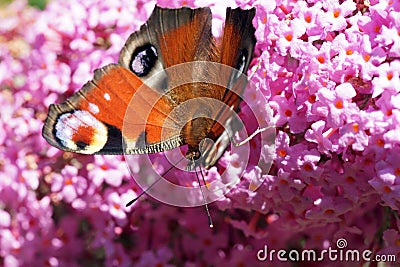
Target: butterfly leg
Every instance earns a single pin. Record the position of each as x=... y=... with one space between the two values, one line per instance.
x=259 y=130
x=255 y=69
x=202 y=177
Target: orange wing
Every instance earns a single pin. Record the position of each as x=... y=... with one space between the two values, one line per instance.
x=93 y=121
x=236 y=51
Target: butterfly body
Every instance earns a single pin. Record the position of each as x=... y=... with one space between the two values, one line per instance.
x=158 y=96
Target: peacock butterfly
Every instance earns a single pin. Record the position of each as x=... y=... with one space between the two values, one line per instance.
x=92 y=120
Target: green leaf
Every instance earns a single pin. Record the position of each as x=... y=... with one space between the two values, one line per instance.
x=41 y=4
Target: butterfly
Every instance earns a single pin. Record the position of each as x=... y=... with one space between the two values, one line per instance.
x=157 y=97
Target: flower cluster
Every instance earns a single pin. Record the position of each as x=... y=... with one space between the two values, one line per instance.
x=330 y=71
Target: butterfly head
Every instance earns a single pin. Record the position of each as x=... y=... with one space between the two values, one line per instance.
x=205 y=154
x=194 y=159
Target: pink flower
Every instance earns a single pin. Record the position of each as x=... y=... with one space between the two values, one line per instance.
x=118 y=257
x=340 y=109
x=317 y=134
x=391 y=137
x=336 y=13
x=108 y=169
x=69 y=184
x=287 y=113
x=287 y=186
x=353 y=134
x=289 y=35
x=310 y=15
x=370 y=58
x=116 y=204
x=328 y=69
x=308 y=164
x=160 y=257
x=327 y=209
x=388 y=78
x=391 y=238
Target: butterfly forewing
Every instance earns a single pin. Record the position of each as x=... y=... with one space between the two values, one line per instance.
x=91 y=121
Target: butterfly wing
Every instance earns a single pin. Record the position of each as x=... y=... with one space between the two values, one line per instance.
x=168 y=38
x=91 y=121
x=95 y=119
x=236 y=51
x=180 y=36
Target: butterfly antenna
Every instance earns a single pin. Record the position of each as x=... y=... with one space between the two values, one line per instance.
x=259 y=130
x=210 y=223
x=202 y=176
x=153 y=184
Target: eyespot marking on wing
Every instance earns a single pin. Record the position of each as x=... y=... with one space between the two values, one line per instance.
x=80 y=131
x=143 y=60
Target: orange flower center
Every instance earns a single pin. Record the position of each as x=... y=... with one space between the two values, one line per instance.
x=282 y=153
x=355 y=127
x=380 y=142
x=336 y=14
x=339 y=104
x=288 y=113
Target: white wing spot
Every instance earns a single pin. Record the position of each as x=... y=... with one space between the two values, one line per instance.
x=94 y=108
x=107 y=96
